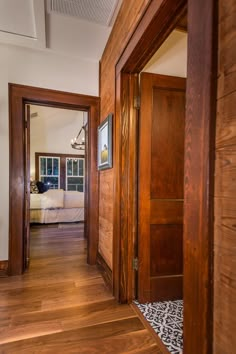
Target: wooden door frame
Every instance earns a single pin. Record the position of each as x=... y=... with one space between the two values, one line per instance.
x=157 y=22
x=19 y=95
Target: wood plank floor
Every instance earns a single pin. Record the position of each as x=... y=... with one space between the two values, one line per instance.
x=61 y=305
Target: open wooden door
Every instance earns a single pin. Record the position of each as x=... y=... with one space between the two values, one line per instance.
x=160 y=188
x=27 y=189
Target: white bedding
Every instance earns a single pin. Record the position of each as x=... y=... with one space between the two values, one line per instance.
x=52 y=199
x=73 y=199
x=57 y=199
x=48 y=216
x=57 y=205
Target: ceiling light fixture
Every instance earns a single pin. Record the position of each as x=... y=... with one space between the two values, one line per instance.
x=78 y=143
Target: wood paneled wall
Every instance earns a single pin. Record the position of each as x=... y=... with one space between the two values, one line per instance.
x=225 y=171
x=225 y=185
x=128 y=17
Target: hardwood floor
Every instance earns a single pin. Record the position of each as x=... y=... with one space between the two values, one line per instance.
x=61 y=305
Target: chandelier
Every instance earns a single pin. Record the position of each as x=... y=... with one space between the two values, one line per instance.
x=78 y=142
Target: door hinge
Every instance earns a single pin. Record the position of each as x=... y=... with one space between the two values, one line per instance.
x=135 y=263
x=137 y=102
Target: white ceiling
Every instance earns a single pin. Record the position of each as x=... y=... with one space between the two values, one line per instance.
x=22 y=22
x=71 y=27
x=80 y=29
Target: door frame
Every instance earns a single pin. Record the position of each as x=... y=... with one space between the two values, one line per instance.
x=157 y=22
x=19 y=96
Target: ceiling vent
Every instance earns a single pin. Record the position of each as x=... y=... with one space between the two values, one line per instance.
x=98 y=11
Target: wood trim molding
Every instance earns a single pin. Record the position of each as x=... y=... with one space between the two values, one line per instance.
x=3 y=268
x=156 y=24
x=199 y=176
x=159 y=19
x=105 y=270
x=19 y=95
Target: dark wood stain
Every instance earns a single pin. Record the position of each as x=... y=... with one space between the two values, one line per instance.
x=3 y=268
x=19 y=95
x=161 y=169
x=203 y=54
x=224 y=339
x=140 y=39
x=105 y=271
x=199 y=176
x=166 y=246
x=167 y=143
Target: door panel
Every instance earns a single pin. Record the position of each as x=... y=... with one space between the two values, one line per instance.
x=160 y=188
x=167 y=143
x=166 y=246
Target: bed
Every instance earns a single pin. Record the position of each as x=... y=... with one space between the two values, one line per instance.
x=56 y=206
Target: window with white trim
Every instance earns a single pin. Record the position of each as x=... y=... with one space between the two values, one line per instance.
x=49 y=171
x=75 y=174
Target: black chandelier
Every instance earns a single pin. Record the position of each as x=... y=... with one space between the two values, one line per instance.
x=78 y=143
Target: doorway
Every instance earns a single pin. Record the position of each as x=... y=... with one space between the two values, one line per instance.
x=154 y=27
x=19 y=178
x=57 y=177
x=161 y=116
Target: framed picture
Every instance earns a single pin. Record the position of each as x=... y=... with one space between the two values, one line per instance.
x=105 y=144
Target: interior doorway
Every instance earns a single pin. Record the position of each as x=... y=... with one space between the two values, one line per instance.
x=152 y=30
x=56 y=156
x=20 y=96
x=161 y=116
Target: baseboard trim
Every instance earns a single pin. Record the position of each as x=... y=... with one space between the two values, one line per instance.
x=3 y=268
x=105 y=270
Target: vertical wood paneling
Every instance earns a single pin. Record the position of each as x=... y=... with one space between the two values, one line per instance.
x=106 y=217
x=128 y=17
x=225 y=186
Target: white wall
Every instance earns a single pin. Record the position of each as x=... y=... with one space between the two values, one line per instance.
x=42 y=69
x=51 y=132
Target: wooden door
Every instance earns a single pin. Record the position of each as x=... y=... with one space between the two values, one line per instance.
x=27 y=189
x=160 y=188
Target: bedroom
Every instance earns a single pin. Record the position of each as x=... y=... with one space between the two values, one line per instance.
x=57 y=171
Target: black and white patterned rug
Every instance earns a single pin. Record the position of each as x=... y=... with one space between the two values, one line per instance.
x=166 y=318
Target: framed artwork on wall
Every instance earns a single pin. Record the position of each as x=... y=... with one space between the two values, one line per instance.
x=105 y=143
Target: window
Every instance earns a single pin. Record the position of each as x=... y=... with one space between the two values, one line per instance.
x=49 y=168
x=75 y=174
x=63 y=171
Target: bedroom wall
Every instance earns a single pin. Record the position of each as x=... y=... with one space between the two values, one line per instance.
x=36 y=68
x=52 y=130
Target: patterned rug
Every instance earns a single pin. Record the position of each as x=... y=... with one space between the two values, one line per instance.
x=166 y=318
